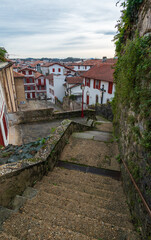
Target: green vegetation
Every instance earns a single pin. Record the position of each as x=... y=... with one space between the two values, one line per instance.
x=124 y=26
x=135 y=170
x=133 y=85
x=118 y=158
x=72 y=97
x=2 y=54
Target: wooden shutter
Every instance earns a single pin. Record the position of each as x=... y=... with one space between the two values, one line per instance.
x=94 y=84
x=110 y=87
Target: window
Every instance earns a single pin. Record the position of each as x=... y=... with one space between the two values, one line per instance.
x=110 y=87
x=97 y=84
x=30 y=80
x=87 y=82
x=25 y=88
x=53 y=69
x=24 y=80
x=85 y=67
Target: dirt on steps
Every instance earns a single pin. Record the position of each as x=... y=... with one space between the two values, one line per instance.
x=91 y=153
x=58 y=212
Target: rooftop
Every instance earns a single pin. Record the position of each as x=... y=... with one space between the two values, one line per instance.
x=102 y=72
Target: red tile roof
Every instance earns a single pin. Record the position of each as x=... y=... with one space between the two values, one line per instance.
x=50 y=76
x=102 y=72
x=51 y=64
x=18 y=75
x=73 y=80
x=37 y=75
x=29 y=69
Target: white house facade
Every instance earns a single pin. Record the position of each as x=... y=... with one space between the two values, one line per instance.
x=99 y=86
x=56 y=68
x=54 y=85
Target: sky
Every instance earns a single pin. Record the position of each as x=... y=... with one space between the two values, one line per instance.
x=58 y=28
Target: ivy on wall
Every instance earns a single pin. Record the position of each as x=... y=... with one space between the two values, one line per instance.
x=133 y=72
x=124 y=26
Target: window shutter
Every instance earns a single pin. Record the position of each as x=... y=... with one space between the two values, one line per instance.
x=99 y=84
x=94 y=84
x=110 y=87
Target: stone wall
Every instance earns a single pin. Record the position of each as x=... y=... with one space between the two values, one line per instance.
x=144 y=18
x=71 y=105
x=132 y=122
x=45 y=115
x=104 y=110
x=16 y=177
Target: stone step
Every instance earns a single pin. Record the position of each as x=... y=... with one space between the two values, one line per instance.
x=102 y=191
x=87 y=210
x=4 y=236
x=63 y=173
x=25 y=227
x=76 y=222
x=119 y=205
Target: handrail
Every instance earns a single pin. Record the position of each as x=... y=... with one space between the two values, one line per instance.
x=139 y=192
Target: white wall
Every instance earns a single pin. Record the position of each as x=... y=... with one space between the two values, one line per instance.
x=56 y=67
x=58 y=86
x=93 y=92
x=45 y=70
x=81 y=68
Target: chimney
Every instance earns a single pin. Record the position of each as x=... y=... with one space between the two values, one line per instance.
x=104 y=59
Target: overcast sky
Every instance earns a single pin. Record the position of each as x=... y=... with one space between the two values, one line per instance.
x=58 y=28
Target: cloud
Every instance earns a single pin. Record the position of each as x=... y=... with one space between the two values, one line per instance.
x=35 y=27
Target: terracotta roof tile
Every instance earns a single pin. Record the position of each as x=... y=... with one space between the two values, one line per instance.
x=102 y=72
x=18 y=75
x=73 y=80
x=37 y=75
x=50 y=76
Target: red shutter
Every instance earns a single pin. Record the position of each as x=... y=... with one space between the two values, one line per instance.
x=53 y=69
x=39 y=82
x=27 y=80
x=94 y=84
x=45 y=82
x=99 y=84
x=33 y=94
x=85 y=81
x=87 y=99
x=89 y=82
x=59 y=70
x=110 y=87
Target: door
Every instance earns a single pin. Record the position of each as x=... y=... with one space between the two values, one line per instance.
x=87 y=99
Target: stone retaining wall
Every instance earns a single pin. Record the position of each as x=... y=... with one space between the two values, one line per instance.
x=45 y=115
x=16 y=177
x=104 y=110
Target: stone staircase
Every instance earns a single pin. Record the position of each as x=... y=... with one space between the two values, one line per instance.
x=72 y=205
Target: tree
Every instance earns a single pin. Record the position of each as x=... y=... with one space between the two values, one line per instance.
x=2 y=54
